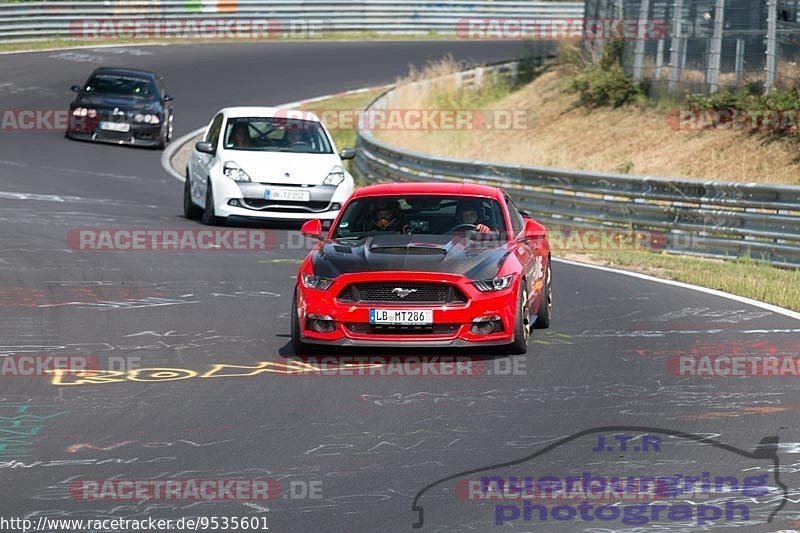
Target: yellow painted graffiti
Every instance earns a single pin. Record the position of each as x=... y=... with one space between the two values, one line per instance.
x=67 y=377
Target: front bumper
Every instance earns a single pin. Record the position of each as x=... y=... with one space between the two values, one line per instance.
x=235 y=199
x=139 y=135
x=452 y=323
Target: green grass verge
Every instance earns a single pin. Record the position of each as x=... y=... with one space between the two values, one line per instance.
x=47 y=44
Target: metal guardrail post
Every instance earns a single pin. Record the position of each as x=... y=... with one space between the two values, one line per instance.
x=715 y=49
x=676 y=45
x=772 y=40
x=639 y=52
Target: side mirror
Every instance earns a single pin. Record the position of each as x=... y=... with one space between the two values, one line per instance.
x=534 y=230
x=313 y=229
x=168 y=98
x=347 y=153
x=205 y=147
x=75 y=88
x=525 y=214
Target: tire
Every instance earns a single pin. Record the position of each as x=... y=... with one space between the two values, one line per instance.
x=546 y=302
x=170 y=128
x=162 y=138
x=208 y=217
x=298 y=346
x=519 y=345
x=190 y=210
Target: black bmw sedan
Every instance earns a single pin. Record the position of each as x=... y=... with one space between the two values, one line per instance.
x=122 y=106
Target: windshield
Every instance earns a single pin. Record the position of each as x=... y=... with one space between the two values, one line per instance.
x=276 y=134
x=132 y=86
x=426 y=215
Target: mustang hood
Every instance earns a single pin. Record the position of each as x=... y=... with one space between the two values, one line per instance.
x=454 y=254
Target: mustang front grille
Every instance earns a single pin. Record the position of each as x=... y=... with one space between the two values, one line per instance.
x=403 y=293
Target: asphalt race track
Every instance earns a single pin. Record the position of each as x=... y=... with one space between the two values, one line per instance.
x=351 y=453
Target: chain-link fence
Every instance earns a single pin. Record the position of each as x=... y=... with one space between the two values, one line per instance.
x=702 y=46
x=788 y=43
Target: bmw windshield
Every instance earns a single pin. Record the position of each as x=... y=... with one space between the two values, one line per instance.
x=117 y=85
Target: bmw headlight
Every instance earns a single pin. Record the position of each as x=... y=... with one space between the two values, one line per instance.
x=335 y=176
x=147 y=119
x=83 y=112
x=494 y=284
x=316 y=282
x=235 y=172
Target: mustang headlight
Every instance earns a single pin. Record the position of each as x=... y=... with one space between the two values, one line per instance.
x=235 y=172
x=335 y=176
x=316 y=282
x=494 y=284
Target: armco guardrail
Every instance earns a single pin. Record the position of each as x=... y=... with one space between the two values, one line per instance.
x=79 y=20
x=710 y=218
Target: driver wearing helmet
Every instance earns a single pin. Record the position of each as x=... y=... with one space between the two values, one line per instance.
x=385 y=216
x=469 y=213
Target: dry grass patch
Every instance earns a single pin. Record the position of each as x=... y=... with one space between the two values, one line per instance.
x=634 y=139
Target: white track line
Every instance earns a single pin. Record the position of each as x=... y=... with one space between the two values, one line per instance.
x=713 y=292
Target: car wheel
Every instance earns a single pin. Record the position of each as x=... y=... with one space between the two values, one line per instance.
x=298 y=346
x=209 y=218
x=162 y=137
x=190 y=210
x=546 y=301
x=170 y=129
x=521 y=324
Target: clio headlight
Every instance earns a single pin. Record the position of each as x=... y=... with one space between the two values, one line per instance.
x=335 y=176
x=235 y=172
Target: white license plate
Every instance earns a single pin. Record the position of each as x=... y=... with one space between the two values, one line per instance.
x=287 y=195
x=415 y=317
x=115 y=126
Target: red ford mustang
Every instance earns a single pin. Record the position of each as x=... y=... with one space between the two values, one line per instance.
x=424 y=265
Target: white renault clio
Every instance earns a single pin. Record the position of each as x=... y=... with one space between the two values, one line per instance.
x=266 y=163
